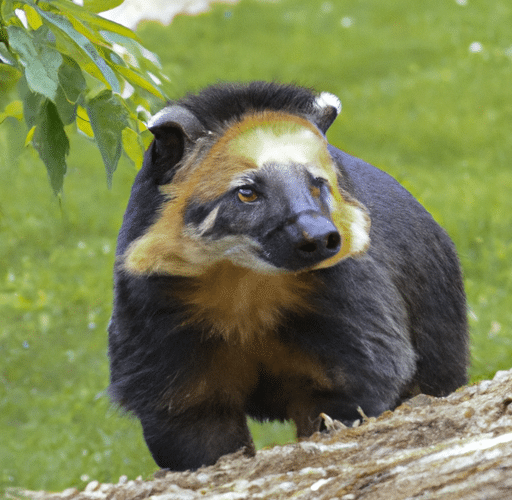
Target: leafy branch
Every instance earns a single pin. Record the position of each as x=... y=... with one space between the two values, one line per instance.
x=75 y=67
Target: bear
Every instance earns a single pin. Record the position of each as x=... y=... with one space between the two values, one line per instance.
x=262 y=272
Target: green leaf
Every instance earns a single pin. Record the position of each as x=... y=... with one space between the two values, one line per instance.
x=51 y=143
x=31 y=102
x=30 y=136
x=9 y=77
x=65 y=108
x=108 y=118
x=72 y=85
x=82 y=58
x=5 y=55
x=138 y=64
x=83 y=123
x=136 y=55
x=111 y=56
x=71 y=78
x=91 y=34
x=101 y=5
x=63 y=25
x=133 y=146
x=135 y=78
x=41 y=62
x=147 y=138
x=6 y=10
x=33 y=18
x=14 y=109
x=69 y=9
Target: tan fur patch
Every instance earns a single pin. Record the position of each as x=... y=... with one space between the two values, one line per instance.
x=227 y=378
x=239 y=304
x=232 y=372
x=353 y=222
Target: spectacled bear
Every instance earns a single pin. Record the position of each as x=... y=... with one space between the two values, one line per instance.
x=261 y=271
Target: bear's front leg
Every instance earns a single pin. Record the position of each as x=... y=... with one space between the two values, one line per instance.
x=198 y=436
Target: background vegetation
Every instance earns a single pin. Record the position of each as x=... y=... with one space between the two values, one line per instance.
x=426 y=97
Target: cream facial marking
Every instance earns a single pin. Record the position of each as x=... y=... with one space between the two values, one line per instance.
x=283 y=141
x=208 y=222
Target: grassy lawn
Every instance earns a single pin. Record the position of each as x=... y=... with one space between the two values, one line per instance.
x=426 y=96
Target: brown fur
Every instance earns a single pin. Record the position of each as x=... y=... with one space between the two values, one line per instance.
x=232 y=371
x=243 y=308
x=239 y=304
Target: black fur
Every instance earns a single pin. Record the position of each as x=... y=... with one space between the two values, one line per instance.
x=381 y=323
x=218 y=104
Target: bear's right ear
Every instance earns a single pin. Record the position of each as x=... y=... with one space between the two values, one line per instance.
x=174 y=117
x=175 y=128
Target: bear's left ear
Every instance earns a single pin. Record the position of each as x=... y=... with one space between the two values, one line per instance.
x=326 y=108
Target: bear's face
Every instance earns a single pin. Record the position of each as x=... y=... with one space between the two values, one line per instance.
x=265 y=196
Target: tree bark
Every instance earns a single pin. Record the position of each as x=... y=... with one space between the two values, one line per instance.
x=458 y=447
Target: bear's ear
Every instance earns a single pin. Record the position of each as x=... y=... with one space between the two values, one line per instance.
x=176 y=117
x=326 y=108
x=175 y=128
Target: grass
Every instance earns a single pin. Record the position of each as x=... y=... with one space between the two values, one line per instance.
x=417 y=102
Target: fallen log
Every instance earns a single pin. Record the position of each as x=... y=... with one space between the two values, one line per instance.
x=458 y=447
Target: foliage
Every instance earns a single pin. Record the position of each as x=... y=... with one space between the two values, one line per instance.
x=73 y=66
x=425 y=95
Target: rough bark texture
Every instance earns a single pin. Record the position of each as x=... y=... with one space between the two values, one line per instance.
x=459 y=447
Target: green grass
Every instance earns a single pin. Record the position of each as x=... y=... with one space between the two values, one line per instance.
x=416 y=102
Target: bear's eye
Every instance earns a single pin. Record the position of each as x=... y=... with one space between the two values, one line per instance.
x=317 y=185
x=247 y=194
x=320 y=182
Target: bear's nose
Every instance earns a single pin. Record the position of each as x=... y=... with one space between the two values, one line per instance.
x=315 y=237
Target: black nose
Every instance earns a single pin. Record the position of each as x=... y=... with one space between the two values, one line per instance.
x=314 y=237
